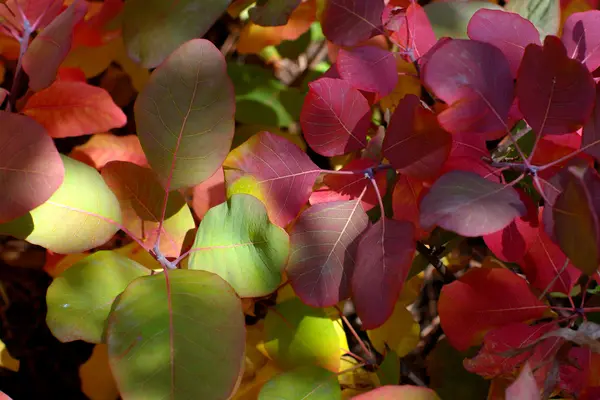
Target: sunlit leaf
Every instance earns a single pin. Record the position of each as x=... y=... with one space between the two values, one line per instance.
x=103 y=148
x=43 y=10
x=30 y=167
x=349 y=22
x=237 y=241
x=410 y=29
x=79 y=300
x=153 y=29
x=450 y=19
x=305 y=382
x=185 y=115
x=82 y=214
x=544 y=14
x=408 y=83
x=181 y=339
x=583 y=28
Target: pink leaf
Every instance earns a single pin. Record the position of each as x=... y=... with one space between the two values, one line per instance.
x=508 y=31
x=31 y=169
x=284 y=174
x=415 y=143
x=324 y=241
x=369 y=68
x=335 y=117
x=525 y=387
x=466 y=203
x=410 y=29
x=474 y=78
x=349 y=22
x=581 y=36
x=384 y=257
x=556 y=94
x=49 y=49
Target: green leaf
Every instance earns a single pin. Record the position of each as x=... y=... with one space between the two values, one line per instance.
x=389 y=370
x=296 y=335
x=303 y=383
x=152 y=29
x=79 y=299
x=544 y=14
x=185 y=115
x=451 y=19
x=82 y=214
x=237 y=241
x=261 y=99
x=181 y=338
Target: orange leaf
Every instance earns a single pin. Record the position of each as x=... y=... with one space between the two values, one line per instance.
x=73 y=109
x=106 y=147
x=91 y=31
x=209 y=193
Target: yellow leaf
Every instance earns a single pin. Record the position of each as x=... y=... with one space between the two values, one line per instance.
x=6 y=360
x=249 y=390
x=358 y=377
x=408 y=83
x=400 y=332
x=97 y=382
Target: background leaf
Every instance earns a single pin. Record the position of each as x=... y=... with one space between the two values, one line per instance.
x=348 y=22
x=545 y=14
x=273 y=12
x=581 y=37
x=450 y=19
x=306 y=382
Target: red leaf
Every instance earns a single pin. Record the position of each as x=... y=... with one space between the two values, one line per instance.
x=31 y=169
x=410 y=29
x=553 y=147
x=525 y=387
x=73 y=109
x=349 y=22
x=91 y=32
x=405 y=202
x=47 y=10
x=466 y=203
x=474 y=78
x=103 y=148
x=209 y=193
x=383 y=259
x=349 y=187
x=556 y=94
x=49 y=49
x=512 y=243
x=368 y=68
x=467 y=145
x=284 y=173
x=324 y=241
x=508 y=31
x=483 y=299
x=582 y=377
x=415 y=143
x=335 y=117
x=581 y=36
x=73 y=74
x=591 y=130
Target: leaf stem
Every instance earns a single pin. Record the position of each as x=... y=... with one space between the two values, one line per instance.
x=436 y=262
x=353 y=331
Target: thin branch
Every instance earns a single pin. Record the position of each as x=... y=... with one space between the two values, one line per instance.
x=436 y=262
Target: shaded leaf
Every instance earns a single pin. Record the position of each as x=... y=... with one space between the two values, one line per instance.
x=581 y=37
x=335 y=117
x=389 y=370
x=556 y=94
x=368 y=68
x=274 y=170
x=349 y=22
x=82 y=214
x=590 y=138
x=68 y=108
x=406 y=197
x=403 y=392
x=97 y=382
x=273 y=12
x=400 y=333
x=79 y=300
x=466 y=203
x=30 y=167
x=525 y=387
x=185 y=115
x=305 y=382
x=103 y=148
x=483 y=299
x=544 y=14
x=186 y=331
x=209 y=193
x=324 y=241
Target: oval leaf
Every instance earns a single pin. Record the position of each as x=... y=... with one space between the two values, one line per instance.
x=185 y=114
x=303 y=383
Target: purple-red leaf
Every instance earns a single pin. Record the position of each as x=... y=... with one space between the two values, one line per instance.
x=31 y=169
x=466 y=203
x=508 y=31
x=415 y=143
x=349 y=22
x=324 y=241
x=474 y=78
x=335 y=117
x=581 y=36
x=410 y=29
x=556 y=94
x=384 y=257
x=49 y=49
x=368 y=68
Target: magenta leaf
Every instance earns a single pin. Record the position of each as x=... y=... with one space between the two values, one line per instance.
x=31 y=169
x=384 y=257
x=324 y=241
x=590 y=138
x=369 y=68
x=335 y=117
x=49 y=49
x=581 y=36
x=556 y=94
x=283 y=173
x=508 y=31
x=466 y=203
x=474 y=78
x=410 y=29
x=349 y=22
x=415 y=143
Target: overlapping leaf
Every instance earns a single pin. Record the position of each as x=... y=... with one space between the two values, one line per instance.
x=209 y=193
x=43 y=10
x=335 y=117
x=103 y=148
x=368 y=68
x=305 y=382
x=30 y=167
x=544 y=14
x=591 y=131
x=274 y=170
x=186 y=331
x=349 y=22
x=273 y=12
x=462 y=12
x=324 y=241
x=410 y=28
x=406 y=197
x=185 y=115
x=581 y=37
